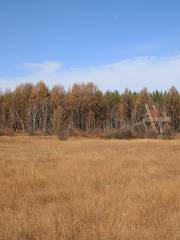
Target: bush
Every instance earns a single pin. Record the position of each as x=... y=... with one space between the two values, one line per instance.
x=7 y=132
x=73 y=132
x=60 y=126
x=118 y=134
x=1 y=132
x=139 y=130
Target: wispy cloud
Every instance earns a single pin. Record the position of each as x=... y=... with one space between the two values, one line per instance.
x=47 y=66
x=135 y=73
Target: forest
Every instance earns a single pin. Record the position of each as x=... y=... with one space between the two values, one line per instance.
x=84 y=108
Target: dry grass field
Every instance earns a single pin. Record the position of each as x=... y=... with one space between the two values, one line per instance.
x=89 y=189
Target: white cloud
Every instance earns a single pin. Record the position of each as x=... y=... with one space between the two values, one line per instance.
x=46 y=66
x=136 y=73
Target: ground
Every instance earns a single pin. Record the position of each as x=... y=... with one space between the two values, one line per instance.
x=89 y=189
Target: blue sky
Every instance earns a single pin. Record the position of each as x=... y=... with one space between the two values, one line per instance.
x=115 y=43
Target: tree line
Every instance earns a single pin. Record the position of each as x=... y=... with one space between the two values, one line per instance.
x=36 y=109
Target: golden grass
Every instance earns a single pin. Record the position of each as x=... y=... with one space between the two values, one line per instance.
x=89 y=189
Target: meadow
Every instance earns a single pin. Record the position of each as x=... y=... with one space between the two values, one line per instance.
x=89 y=189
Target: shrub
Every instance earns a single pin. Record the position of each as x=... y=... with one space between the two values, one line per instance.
x=7 y=132
x=60 y=126
x=139 y=130
x=1 y=132
x=118 y=133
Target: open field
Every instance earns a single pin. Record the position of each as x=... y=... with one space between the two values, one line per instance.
x=89 y=189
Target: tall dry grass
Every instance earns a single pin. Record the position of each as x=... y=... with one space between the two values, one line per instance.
x=89 y=189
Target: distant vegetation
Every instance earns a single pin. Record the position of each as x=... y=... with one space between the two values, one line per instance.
x=83 y=109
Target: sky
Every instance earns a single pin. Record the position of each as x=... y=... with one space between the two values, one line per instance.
x=116 y=44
